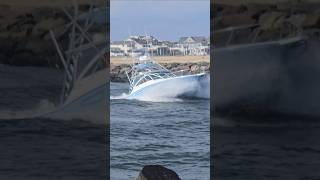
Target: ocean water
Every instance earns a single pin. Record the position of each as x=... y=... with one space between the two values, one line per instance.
x=260 y=147
x=45 y=149
x=173 y=133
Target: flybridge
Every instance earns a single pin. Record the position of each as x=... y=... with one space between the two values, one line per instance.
x=84 y=61
x=145 y=69
x=83 y=56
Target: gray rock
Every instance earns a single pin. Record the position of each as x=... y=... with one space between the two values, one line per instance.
x=268 y=20
x=157 y=172
x=118 y=72
x=195 y=68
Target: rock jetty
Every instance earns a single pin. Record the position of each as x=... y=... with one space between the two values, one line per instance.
x=25 y=38
x=118 y=72
x=268 y=20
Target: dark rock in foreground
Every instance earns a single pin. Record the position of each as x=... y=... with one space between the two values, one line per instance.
x=157 y=172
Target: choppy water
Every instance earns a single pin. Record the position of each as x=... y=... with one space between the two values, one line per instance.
x=170 y=133
x=45 y=149
x=275 y=148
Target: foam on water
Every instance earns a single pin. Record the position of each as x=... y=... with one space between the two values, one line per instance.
x=173 y=134
x=204 y=88
x=146 y=98
x=42 y=107
x=200 y=89
x=122 y=96
x=48 y=110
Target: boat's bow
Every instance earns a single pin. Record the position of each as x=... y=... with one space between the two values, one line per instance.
x=173 y=87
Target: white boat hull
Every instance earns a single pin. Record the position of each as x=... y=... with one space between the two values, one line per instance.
x=88 y=101
x=181 y=86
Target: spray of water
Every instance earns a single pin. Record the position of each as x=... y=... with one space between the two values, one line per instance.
x=122 y=96
x=204 y=88
x=173 y=91
x=42 y=107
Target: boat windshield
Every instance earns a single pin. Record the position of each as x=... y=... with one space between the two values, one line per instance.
x=148 y=76
x=147 y=70
x=148 y=67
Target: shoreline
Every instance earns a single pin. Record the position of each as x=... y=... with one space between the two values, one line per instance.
x=163 y=59
x=192 y=64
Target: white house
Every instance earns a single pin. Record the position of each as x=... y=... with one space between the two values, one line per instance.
x=192 y=45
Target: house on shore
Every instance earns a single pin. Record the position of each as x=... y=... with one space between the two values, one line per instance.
x=195 y=45
x=115 y=52
x=135 y=45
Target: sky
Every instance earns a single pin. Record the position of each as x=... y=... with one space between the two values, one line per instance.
x=163 y=19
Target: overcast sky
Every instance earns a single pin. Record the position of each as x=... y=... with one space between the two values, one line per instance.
x=164 y=19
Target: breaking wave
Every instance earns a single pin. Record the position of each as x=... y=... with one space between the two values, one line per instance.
x=122 y=96
x=204 y=88
x=173 y=91
x=42 y=107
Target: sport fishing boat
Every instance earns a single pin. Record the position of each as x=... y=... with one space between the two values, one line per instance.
x=84 y=90
x=148 y=79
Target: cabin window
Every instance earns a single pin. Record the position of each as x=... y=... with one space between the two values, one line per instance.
x=164 y=75
x=155 y=77
x=148 y=78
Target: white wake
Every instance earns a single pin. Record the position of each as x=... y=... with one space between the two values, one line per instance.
x=172 y=91
x=41 y=108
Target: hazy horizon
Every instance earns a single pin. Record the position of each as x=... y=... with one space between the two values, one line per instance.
x=165 y=20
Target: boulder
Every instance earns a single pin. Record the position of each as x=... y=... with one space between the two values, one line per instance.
x=195 y=68
x=205 y=68
x=157 y=172
x=297 y=20
x=270 y=20
x=311 y=20
x=47 y=24
x=237 y=20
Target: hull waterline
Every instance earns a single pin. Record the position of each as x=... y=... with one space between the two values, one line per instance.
x=182 y=86
x=88 y=101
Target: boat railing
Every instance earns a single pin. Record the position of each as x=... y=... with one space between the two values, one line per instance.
x=82 y=55
x=182 y=72
x=250 y=34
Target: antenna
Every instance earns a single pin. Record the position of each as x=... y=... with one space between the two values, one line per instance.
x=148 y=49
x=131 y=46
